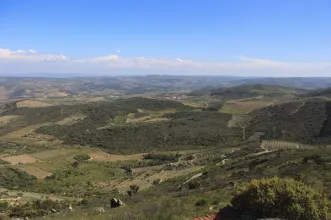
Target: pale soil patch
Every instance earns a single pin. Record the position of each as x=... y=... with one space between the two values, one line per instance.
x=34 y=171
x=99 y=155
x=156 y=119
x=20 y=159
x=71 y=119
x=89 y=99
x=8 y=118
x=96 y=99
x=105 y=127
x=137 y=120
x=154 y=116
x=62 y=94
x=32 y=104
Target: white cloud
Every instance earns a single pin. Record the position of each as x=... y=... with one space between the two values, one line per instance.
x=30 y=61
x=118 y=51
x=108 y=58
x=28 y=55
x=32 y=51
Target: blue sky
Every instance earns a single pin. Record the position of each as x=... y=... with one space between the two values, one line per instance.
x=110 y=37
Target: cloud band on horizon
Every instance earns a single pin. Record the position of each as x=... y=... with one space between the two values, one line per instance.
x=30 y=61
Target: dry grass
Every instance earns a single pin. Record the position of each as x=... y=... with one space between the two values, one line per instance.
x=8 y=118
x=32 y=104
x=244 y=107
x=137 y=120
x=26 y=136
x=62 y=94
x=89 y=99
x=48 y=154
x=102 y=156
x=96 y=99
x=20 y=159
x=71 y=119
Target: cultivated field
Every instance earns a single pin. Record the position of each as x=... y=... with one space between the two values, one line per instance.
x=102 y=156
x=276 y=145
x=244 y=107
x=32 y=104
x=46 y=155
x=34 y=171
x=20 y=159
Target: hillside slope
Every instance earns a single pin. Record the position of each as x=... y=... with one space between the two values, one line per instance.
x=308 y=122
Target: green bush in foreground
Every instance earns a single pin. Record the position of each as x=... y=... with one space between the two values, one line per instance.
x=283 y=198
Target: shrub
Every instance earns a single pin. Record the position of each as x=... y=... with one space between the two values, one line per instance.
x=12 y=178
x=201 y=202
x=193 y=185
x=318 y=159
x=75 y=164
x=283 y=198
x=156 y=182
x=83 y=202
x=133 y=190
x=4 y=206
x=82 y=157
x=162 y=157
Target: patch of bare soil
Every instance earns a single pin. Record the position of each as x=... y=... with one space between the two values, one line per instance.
x=71 y=119
x=20 y=159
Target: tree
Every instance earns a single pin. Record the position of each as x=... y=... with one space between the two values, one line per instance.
x=82 y=157
x=133 y=190
x=282 y=198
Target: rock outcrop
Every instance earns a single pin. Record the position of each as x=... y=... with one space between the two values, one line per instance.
x=114 y=203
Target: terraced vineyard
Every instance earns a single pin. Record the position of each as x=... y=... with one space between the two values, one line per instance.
x=197 y=159
x=276 y=145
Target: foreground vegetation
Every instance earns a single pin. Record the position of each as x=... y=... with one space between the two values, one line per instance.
x=167 y=160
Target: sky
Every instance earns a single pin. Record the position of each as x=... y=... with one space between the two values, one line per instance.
x=273 y=38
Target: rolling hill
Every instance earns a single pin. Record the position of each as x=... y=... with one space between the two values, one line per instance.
x=164 y=159
x=306 y=122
